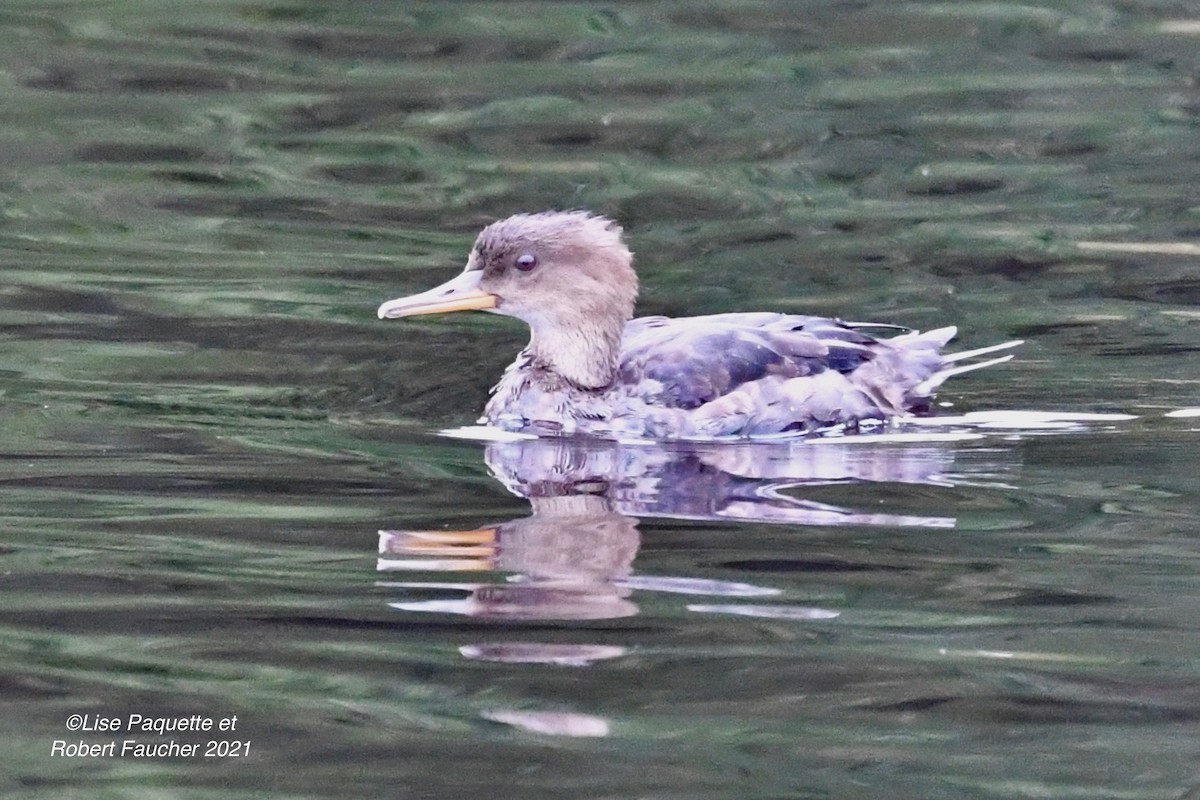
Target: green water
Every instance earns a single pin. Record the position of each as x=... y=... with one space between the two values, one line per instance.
x=203 y=426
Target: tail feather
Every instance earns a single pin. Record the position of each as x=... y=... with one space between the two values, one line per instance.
x=936 y=338
x=930 y=384
x=950 y=358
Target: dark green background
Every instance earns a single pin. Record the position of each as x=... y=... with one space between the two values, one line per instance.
x=202 y=424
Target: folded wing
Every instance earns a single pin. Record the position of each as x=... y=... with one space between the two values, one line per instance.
x=767 y=373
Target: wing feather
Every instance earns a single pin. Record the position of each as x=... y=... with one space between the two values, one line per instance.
x=765 y=372
x=697 y=360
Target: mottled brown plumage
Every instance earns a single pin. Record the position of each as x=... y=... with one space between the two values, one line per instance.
x=590 y=368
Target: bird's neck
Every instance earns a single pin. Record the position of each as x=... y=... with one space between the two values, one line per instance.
x=587 y=355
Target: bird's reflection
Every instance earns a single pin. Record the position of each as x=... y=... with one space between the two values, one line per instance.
x=565 y=560
x=742 y=481
x=572 y=557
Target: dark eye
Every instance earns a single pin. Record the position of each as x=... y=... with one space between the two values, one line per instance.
x=526 y=262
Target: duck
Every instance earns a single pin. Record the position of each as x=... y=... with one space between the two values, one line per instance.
x=591 y=368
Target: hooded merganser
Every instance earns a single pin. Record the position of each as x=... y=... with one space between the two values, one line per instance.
x=590 y=368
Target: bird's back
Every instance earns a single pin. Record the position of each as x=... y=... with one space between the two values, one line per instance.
x=756 y=373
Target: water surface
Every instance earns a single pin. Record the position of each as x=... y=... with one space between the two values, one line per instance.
x=224 y=492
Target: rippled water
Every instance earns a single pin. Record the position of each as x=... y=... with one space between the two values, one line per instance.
x=225 y=492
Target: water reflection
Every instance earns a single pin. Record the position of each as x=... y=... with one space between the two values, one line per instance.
x=745 y=481
x=572 y=557
x=565 y=560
